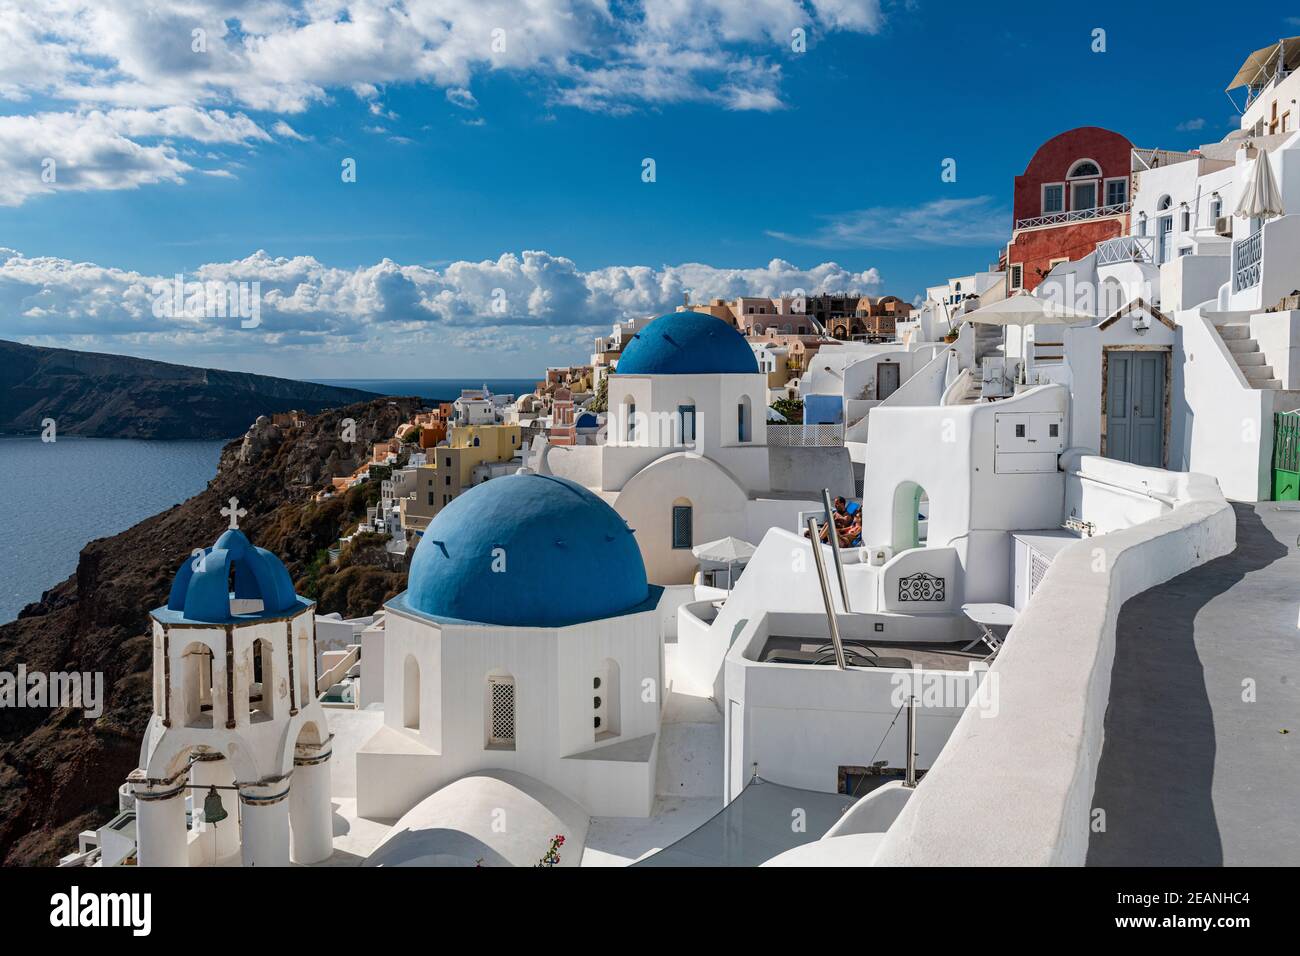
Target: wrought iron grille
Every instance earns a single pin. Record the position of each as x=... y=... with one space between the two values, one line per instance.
x=921 y=587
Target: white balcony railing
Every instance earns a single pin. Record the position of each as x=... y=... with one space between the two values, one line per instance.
x=1126 y=249
x=1247 y=254
x=805 y=436
x=1074 y=215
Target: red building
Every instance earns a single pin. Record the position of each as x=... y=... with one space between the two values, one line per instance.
x=563 y=431
x=1074 y=193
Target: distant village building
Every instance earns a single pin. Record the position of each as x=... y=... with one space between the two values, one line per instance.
x=451 y=468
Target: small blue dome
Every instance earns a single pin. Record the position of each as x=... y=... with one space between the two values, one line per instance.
x=526 y=551
x=687 y=343
x=201 y=589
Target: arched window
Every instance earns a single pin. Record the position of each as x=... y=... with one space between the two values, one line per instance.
x=606 y=721
x=196 y=685
x=629 y=416
x=743 y=426
x=1083 y=186
x=261 y=691
x=1112 y=296
x=682 y=524
x=1165 y=202
x=411 y=693
x=686 y=422
x=500 y=716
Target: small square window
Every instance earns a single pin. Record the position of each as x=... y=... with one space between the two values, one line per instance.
x=1054 y=430
x=1020 y=431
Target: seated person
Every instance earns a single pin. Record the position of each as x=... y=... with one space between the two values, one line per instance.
x=846 y=517
x=851 y=535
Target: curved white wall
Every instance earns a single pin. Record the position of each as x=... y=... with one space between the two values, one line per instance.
x=1017 y=792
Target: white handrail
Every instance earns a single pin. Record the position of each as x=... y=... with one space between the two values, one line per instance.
x=339 y=670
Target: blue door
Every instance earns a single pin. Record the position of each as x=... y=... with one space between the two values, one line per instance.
x=1135 y=407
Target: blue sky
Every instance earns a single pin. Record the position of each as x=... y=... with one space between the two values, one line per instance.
x=773 y=169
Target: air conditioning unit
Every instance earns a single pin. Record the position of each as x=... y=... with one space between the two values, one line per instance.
x=1223 y=226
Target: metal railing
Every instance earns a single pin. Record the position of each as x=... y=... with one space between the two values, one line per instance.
x=805 y=436
x=1247 y=256
x=1126 y=249
x=1074 y=215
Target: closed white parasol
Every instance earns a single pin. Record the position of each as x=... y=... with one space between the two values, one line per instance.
x=1260 y=196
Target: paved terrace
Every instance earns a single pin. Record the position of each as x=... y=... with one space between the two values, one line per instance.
x=1191 y=774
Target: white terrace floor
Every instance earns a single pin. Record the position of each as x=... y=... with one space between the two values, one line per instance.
x=689 y=779
x=1201 y=764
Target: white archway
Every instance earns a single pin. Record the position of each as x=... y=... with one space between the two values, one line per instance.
x=909 y=528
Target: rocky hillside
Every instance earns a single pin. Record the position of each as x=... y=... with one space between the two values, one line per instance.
x=116 y=396
x=58 y=771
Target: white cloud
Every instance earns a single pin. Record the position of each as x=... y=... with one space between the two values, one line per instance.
x=283 y=56
x=49 y=152
x=308 y=304
x=1191 y=125
x=941 y=222
x=459 y=96
x=285 y=131
x=122 y=71
x=186 y=122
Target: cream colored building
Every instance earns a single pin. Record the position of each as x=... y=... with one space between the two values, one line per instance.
x=451 y=468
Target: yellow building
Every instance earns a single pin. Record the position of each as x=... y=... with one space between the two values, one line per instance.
x=451 y=468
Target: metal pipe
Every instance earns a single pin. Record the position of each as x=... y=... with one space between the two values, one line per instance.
x=909 y=774
x=826 y=592
x=835 y=549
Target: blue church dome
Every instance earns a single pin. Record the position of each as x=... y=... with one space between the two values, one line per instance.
x=201 y=591
x=526 y=551
x=687 y=343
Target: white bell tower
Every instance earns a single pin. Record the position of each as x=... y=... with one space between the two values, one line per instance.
x=236 y=718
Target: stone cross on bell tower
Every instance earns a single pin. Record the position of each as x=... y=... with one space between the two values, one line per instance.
x=234 y=512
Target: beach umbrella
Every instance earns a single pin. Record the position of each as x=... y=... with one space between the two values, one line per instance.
x=1260 y=196
x=727 y=551
x=1025 y=309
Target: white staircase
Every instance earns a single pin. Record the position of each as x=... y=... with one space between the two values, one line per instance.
x=988 y=341
x=1245 y=351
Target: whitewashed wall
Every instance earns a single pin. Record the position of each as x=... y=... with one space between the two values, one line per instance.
x=1016 y=790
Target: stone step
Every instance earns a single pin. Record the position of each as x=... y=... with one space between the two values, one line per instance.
x=1245 y=359
x=1257 y=373
x=1242 y=346
x=1230 y=332
x=1266 y=383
